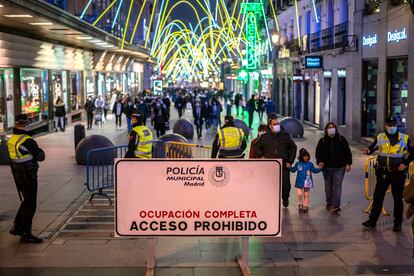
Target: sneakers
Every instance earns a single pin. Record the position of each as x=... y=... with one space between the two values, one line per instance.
x=285 y=203
x=16 y=231
x=30 y=238
x=300 y=208
x=336 y=210
x=305 y=209
x=369 y=224
x=397 y=227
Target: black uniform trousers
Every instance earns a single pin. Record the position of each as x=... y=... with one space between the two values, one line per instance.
x=285 y=183
x=25 y=177
x=384 y=179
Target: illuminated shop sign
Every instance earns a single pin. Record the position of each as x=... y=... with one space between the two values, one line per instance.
x=369 y=40
x=252 y=10
x=297 y=78
x=327 y=73
x=341 y=73
x=313 y=62
x=397 y=36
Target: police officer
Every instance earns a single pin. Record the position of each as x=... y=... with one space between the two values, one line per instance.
x=230 y=141
x=24 y=156
x=395 y=154
x=140 y=138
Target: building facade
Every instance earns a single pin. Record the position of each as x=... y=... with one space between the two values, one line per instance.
x=351 y=65
x=46 y=54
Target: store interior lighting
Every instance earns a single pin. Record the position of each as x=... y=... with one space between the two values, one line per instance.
x=84 y=38
x=18 y=15
x=41 y=23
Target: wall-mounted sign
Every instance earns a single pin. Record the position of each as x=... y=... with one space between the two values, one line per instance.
x=297 y=78
x=157 y=88
x=313 y=62
x=341 y=73
x=327 y=73
x=396 y=36
x=369 y=40
x=253 y=12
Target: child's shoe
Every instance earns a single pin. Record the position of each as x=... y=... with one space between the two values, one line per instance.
x=305 y=209
x=300 y=208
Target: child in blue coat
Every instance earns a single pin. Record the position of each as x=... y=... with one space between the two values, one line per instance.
x=304 y=180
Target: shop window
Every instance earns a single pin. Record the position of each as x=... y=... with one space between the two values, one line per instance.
x=341 y=97
x=60 y=86
x=369 y=98
x=76 y=90
x=306 y=101
x=34 y=97
x=6 y=99
x=397 y=92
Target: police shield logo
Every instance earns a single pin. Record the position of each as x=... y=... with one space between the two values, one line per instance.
x=219 y=176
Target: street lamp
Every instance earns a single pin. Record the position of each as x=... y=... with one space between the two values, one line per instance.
x=278 y=39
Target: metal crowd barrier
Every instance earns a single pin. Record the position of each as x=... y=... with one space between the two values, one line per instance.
x=100 y=167
x=184 y=150
x=371 y=181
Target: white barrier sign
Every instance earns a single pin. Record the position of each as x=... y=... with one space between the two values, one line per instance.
x=197 y=197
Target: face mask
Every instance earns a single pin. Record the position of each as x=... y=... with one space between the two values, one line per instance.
x=392 y=130
x=331 y=131
x=276 y=128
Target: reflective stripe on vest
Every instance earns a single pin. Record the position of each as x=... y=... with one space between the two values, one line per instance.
x=144 y=144
x=399 y=150
x=14 y=145
x=230 y=138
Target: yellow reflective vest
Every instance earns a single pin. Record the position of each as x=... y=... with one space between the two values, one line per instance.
x=14 y=144
x=230 y=138
x=144 y=143
x=399 y=150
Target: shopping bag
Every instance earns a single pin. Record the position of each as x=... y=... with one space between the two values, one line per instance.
x=308 y=182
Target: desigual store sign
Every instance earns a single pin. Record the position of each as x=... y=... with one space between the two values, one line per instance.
x=197 y=197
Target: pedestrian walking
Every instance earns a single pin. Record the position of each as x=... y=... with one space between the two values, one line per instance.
x=24 y=155
x=89 y=108
x=179 y=105
x=277 y=143
x=334 y=156
x=140 y=138
x=229 y=141
x=261 y=130
x=396 y=152
x=237 y=99
x=261 y=106
x=198 y=118
x=128 y=108
x=251 y=108
x=270 y=107
x=206 y=111
x=304 y=180
x=117 y=110
x=60 y=114
x=160 y=119
x=216 y=110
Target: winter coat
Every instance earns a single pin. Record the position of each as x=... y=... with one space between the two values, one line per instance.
x=304 y=170
x=333 y=152
x=89 y=106
x=60 y=110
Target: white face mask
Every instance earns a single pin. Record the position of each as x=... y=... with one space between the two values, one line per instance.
x=331 y=131
x=276 y=128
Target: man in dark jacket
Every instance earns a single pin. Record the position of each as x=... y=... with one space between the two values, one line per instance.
x=117 y=111
x=230 y=141
x=89 y=108
x=276 y=143
x=179 y=105
x=24 y=156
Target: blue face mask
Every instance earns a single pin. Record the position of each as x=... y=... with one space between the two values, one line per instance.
x=392 y=130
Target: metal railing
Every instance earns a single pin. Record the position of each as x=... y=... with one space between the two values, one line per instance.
x=100 y=167
x=184 y=150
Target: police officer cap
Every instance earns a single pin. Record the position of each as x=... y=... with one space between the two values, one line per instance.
x=137 y=114
x=391 y=120
x=21 y=119
x=272 y=116
x=228 y=118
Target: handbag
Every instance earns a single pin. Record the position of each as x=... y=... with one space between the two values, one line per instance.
x=308 y=182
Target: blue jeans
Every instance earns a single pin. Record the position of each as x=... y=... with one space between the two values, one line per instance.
x=128 y=119
x=333 y=185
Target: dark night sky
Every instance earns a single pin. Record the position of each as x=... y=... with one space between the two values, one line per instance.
x=185 y=13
